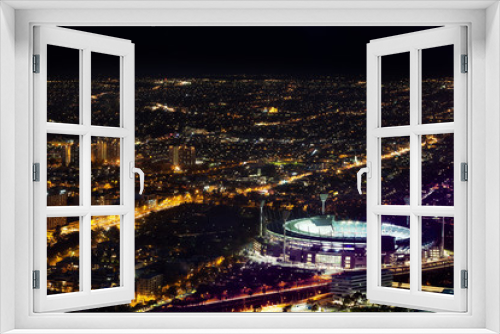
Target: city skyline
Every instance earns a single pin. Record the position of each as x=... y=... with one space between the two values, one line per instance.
x=215 y=145
x=237 y=152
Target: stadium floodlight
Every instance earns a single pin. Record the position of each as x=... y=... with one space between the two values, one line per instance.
x=262 y=203
x=286 y=215
x=323 y=198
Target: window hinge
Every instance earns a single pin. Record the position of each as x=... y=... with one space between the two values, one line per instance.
x=36 y=172
x=36 y=279
x=465 y=279
x=464 y=171
x=465 y=64
x=36 y=63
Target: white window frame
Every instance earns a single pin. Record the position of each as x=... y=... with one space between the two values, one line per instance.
x=414 y=43
x=483 y=20
x=86 y=44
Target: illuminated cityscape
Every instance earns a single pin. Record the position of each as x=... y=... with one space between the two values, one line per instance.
x=231 y=218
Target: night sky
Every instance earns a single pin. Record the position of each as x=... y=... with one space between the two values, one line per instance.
x=287 y=51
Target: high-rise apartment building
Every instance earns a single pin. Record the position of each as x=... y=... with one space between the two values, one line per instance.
x=106 y=150
x=182 y=155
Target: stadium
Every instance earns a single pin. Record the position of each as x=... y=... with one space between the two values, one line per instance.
x=324 y=242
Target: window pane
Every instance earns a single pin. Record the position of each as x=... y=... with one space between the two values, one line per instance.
x=395 y=166
x=105 y=90
x=105 y=252
x=395 y=251
x=437 y=169
x=105 y=171
x=63 y=255
x=437 y=254
x=63 y=84
x=437 y=84
x=395 y=89
x=63 y=170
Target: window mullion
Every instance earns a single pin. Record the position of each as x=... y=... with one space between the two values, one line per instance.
x=109 y=132
x=81 y=227
x=414 y=169
x=86 y=171
x=109 y=210
x=86 y=254
x=392 y=131
x=406 y=210
x=433 y=128
x=86 y=138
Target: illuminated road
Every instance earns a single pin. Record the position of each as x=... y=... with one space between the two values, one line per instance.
x=268 y=293
x=108 y=221
x=270 y=298
x=383 y=157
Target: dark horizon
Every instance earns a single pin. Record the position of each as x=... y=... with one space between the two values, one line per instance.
x=254 y=51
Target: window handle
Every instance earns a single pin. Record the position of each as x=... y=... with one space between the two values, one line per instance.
x=133 y=171
x=368 y=171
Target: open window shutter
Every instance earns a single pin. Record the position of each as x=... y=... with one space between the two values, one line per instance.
x=401 y=268
x=83 y=133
